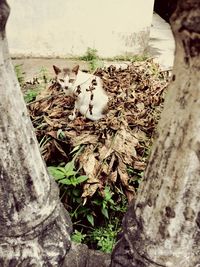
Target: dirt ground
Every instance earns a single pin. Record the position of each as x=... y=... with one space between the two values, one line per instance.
x=32 y=66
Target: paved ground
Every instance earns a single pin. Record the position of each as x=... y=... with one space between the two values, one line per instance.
x=33 y=66
x=161 y=47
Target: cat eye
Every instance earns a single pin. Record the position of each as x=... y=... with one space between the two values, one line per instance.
x=71 y=80
x=61 y=80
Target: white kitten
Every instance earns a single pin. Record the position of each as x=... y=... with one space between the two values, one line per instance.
x=91 y=99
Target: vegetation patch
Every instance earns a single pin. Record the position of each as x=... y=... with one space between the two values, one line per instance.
x=99 y=165
x=94 y=61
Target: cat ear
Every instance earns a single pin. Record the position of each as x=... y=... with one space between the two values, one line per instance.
x=75 y=69
x=56 y=69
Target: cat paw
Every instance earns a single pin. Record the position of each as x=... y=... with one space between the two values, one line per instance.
x=72 y=117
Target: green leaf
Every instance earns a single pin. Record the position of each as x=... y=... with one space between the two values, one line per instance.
x=56 y=173
x=104 y=204
x=78 y=237
x=111 y=202
x=108 y=194
x=69 y=169
x=30 y=96
x=76 y=192
x=69 y=166
x=60 y=134
x=105 y=212
x=84 y=211
x=73 y=181
x=66 y=181
x=81 y=179
x=97 y=202
x=70 y=173
x=62 y=169
x=90 y=219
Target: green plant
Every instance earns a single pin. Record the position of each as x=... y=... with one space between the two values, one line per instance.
x=19 y=73
x=78 y=236
x=94 y=221
x=105 y=237
x=70 y=182
x=135 y=176
x=106 y=202
x=30 y=95
x=131 y=58
x=155 y=69
x=91 y=56
x=67 y=175
x=44 y=75
x=60 y=134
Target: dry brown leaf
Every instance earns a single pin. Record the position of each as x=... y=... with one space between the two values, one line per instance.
x=52 y=134
x=113 y=158
x=124 y=143
x=70 y=134
x=130 y=195
x=46 y=151
x=47 y=120
x=59 y=148
x=122 y=172
x=89 y=189
x=124 y=175
x=58 y=112
x=119 y=139
x=105 y=151
x=84 y=138
x=113 y=177
x=90 y=166
x=140 y=165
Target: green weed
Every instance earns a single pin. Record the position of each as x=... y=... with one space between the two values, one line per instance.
x=106 y=202
x=19 y=73
x=44 y=75
x=94 y=221
x=67 y=175
x=155 y=69
x=30 y=95
x=78 y=236
x=105 y=237
x=91 y=56
x=131 y=58
x=38 y=84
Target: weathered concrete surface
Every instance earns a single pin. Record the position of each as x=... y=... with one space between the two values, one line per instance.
x=80 y=256
x=66 y=28
x=32 y=66
x=161 y=47
x=161 y=44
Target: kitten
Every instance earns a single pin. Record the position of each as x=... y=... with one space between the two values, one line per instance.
x=91 y=99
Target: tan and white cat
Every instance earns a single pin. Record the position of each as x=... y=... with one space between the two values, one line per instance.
x=91 y=99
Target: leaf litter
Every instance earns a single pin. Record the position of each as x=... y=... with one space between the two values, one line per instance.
x=114 y=145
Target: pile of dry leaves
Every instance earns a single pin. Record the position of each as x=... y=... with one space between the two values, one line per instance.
x=113 y=144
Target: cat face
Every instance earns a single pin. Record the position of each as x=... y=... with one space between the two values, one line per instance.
x=66 y=77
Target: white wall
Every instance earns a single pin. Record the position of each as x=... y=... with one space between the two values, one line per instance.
x=67 y=27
